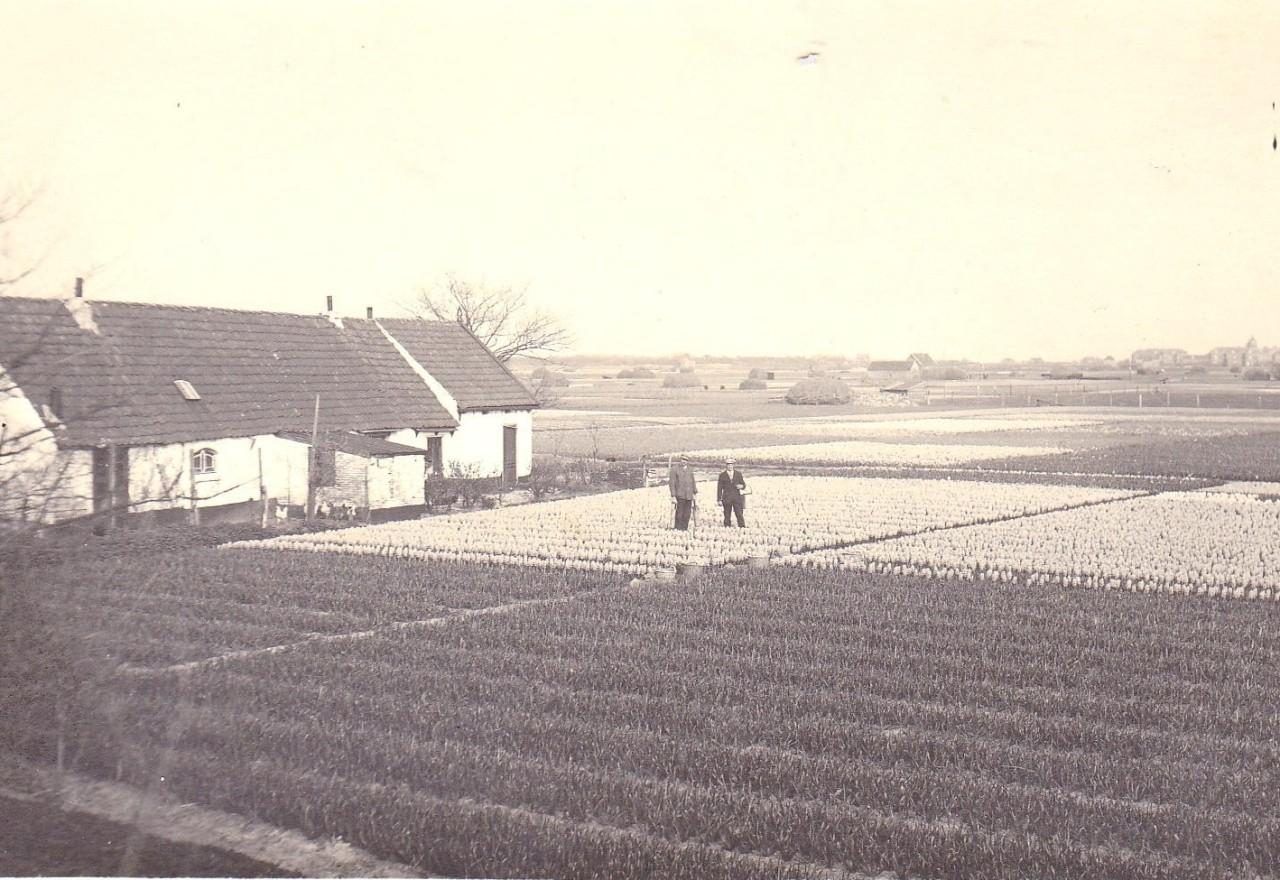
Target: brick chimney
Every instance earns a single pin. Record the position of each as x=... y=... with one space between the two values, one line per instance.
x=79 y=288
x=328 y=313
x=368 y=312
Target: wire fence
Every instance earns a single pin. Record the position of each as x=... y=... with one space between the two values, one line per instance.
x=1080 y=394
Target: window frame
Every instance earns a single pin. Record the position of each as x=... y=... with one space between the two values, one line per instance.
x=204 y=462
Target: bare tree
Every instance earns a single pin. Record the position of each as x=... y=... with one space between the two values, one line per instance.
x=13 y=204
x=499 y=316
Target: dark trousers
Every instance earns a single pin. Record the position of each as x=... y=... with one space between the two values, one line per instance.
x=735 y=507
x=683 y=508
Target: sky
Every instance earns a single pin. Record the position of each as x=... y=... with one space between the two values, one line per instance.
x=974 y=179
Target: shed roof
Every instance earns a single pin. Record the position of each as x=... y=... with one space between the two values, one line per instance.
x=889 y=366
x=255 y=372
x=353 y=443
x=461 y=363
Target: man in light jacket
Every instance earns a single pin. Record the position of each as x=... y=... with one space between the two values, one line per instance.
x=729 y=490
x=684 y=491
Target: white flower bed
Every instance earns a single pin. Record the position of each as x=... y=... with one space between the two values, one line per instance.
x=631 y=531
x=835 y=426
x=851 y=452
x=1216 y=544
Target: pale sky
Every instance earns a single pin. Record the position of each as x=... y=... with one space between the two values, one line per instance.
x=980 y=179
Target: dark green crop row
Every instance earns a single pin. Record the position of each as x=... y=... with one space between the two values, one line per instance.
x=839 y=812
x=755 y=723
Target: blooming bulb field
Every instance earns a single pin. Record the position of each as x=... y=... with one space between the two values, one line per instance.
x=1212 y=543
x=851 y=452
x=845 y=426
x=631 y=531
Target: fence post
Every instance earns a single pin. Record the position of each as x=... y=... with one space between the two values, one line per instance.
x=1139 y=400
x=1197 y=400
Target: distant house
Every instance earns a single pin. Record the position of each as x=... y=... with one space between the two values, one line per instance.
x=1228 y=356
x=1158 y=358
x=167 y=409
x=493 y=408
x=896 y=372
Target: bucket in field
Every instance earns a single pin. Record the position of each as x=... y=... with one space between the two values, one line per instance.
x=758 y=560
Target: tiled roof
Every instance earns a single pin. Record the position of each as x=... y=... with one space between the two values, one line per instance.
x=922 y=359
x=461 y=363
x=889 y=366
x=355 y=444
x=255 y=372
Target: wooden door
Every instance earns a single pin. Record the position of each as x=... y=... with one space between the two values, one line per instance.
x=508 y=454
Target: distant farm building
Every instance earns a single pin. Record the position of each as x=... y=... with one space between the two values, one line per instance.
x=896 y=372
x=175 y=410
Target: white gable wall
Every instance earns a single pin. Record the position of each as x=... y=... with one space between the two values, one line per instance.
x=38 y=481
x=476 y=444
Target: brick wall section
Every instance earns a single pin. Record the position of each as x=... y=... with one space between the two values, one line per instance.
x=349 y=484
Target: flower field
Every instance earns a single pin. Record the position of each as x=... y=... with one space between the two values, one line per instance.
x=756 y=724
x=851 y=452
x=1228 y=456
x=203 y=603
x=630 y=532
x=1212 y=543
x=845 y=426
x=1005 y=676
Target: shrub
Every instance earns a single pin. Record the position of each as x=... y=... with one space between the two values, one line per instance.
x=549 y=475
x=637 y=373
x=681 y=380
x=752 y=384
x=819 y=391
x=1257 y=374
x=548 y=378
x=758 y=373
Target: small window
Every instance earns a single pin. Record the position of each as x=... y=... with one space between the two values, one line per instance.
x=204 y=462
x=186 y=389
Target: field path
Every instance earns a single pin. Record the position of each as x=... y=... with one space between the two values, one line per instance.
x=162 y=816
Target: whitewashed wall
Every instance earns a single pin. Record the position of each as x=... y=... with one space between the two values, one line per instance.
x=160 y=476
x=38 y=481
x=397 y=481
x=477 y=442
x=416 y=439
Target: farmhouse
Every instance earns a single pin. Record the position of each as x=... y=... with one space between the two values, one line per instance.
x=891 y=372
x=211 y=413
x=493 y=409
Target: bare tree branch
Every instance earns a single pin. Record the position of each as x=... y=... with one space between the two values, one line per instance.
x=499 y=317
x=13 y=204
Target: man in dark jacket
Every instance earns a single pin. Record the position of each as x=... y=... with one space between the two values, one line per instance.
x=729 y=491
x=684 y=491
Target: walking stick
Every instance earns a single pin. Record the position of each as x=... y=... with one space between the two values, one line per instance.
x=674 y=502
